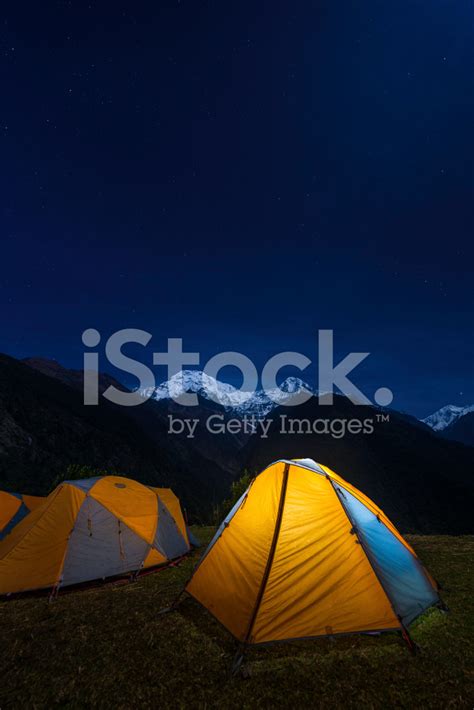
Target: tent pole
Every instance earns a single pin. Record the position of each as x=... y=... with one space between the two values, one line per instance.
x=271 y=554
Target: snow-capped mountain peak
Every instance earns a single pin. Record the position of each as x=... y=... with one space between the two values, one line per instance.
x=446 y=416
x=259 y=403
x=293 y=385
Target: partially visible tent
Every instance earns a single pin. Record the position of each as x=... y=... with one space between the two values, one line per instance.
x=304 y=554
x=193 y=540
x=87 y=530
x=174 y=506
x=13 y=508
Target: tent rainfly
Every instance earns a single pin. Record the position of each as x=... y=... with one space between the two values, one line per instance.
x=304 y=554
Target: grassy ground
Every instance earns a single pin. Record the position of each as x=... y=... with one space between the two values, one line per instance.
x=109 y=647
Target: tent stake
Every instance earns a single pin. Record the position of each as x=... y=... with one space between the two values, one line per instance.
x=238 y=659
x=442 y=606
x=174 y=605
x=412 y=646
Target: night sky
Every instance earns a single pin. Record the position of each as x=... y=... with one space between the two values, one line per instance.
x=239 y=175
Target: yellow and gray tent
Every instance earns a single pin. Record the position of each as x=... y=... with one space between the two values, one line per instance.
x=305 y=554
x=91 y=529
x=13 y=508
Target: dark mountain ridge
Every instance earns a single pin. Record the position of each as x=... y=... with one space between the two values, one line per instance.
x=45 y=427
x=223 y=450
x=424 y=482
x=461 y=430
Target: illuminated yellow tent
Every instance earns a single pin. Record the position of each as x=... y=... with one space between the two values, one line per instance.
x=305 y=554
x=92 y=529
x=13 y=508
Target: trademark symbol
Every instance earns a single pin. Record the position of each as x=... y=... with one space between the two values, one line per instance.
x=383 y=418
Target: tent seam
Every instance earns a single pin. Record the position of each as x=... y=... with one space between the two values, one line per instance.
x=363 y=546
x=150 y=546
x=271 y=554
